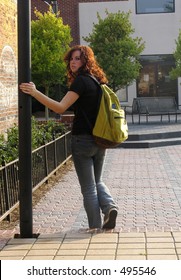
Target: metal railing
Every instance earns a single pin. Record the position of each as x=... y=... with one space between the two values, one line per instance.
x=46 y=160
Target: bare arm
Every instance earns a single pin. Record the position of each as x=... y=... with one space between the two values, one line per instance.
x=57 y=107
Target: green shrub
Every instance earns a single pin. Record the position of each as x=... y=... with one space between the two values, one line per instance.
x=41 y=133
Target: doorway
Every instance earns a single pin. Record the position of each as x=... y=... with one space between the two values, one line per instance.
x=154 y=78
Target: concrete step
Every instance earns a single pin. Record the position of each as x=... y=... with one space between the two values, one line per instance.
x=151 y=143
x=153 y=136
x=152 y=140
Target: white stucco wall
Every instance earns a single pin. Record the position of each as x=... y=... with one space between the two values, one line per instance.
x=159 y=31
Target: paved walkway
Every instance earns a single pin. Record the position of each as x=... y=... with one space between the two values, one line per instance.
x=146 y=184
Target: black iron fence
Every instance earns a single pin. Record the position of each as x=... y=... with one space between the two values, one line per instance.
x=45 y=161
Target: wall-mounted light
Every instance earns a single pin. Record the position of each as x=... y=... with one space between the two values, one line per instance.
x=53 y=4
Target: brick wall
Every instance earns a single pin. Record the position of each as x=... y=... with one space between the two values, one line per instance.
x=68 y=11
x=8 y=64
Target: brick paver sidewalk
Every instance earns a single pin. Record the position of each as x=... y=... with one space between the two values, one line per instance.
x=146 y=184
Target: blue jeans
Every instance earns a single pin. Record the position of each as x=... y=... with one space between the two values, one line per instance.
x=89 y=160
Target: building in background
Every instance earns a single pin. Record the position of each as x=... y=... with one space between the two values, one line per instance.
x=157 y=22
x=69 y=11
x=8 y=64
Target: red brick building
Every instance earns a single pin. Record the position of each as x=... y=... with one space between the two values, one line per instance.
x=68 y=11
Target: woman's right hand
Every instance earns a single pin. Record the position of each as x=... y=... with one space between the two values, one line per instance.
x=28 y=88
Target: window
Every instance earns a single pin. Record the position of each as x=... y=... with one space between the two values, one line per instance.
x=155 y=6
x=123 y=94
x=154 y=79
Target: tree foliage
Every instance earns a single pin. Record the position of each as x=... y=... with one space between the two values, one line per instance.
x=50 y=41
x=176 y=72
x=115 y=48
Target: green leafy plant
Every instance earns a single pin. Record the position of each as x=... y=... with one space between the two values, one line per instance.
x=116 y=49
x=176 y=72
x=41 y=134
x=50 y=41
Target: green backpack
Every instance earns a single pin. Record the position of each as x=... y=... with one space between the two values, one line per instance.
x=110 y=128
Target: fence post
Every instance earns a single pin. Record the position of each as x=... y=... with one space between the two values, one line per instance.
x=65 y=145
x=6 y=189
x=45 y=159
x=55 y=150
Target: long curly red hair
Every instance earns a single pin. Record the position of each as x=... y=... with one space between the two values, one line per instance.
x=89 y=66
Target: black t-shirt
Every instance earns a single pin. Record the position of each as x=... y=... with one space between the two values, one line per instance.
x=86 y=106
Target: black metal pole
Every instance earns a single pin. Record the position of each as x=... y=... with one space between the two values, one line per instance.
x=24 y=106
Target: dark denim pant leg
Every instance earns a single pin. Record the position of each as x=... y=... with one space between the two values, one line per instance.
x=105 y=199
x=89 y=161
x=83 y=149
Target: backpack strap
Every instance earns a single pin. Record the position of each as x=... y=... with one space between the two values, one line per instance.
x=94 y=78
x=98 y=102
x=97 y=82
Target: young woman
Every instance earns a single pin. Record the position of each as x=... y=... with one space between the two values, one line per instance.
x=88 y=158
